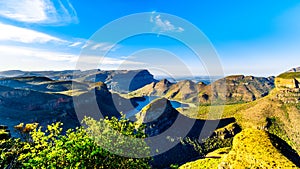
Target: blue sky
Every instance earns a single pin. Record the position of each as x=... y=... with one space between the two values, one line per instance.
x=260 y=38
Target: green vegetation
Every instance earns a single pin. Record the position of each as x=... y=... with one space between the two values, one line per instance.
x=277 y=138
x=208 y=145
x=75 y=149
x=251 y=148
x=289 y=75
x=276 y=128
x=212 y=161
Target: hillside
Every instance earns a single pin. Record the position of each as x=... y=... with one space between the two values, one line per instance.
x=296 y=69
x=254 y=107
x=274 y=119
x=251 y=148
x=116 y=80
x=43 y=84
x=26 y=105
x=238 y=89
x=167 y=125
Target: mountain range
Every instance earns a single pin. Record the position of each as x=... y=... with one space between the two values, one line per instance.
x=264 y=107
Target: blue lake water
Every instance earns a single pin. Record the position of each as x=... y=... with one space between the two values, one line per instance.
x=149 y=99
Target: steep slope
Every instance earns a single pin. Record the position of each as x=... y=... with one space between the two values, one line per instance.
x=116 y=80
x=270 y=127
x=185 y=90
x=239 y=88
x=153 y=89
x=167 y=125
x=297 y=69
x=101 y=99
x=42 y=84
x=158 y=116
x=251 y=148
x=18 y=105
x=27 y=106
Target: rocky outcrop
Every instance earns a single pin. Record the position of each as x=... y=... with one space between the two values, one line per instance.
x=288 y=80
x=297 y=69
x=227 y=132
x=153 y=89
x=237 y=88
x=121 y=81
x=231 y=89
x=288 y=87
x=116 y=80
x=185 y=90
x=42 y=84
x=158 y=116
x=167 y=125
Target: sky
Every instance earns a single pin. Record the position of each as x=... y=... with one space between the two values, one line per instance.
x=260 y=38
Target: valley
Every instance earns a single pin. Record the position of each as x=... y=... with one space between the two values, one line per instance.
x=251 y=115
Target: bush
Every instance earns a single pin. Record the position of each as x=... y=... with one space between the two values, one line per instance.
x=75 y=149
x=208 y=145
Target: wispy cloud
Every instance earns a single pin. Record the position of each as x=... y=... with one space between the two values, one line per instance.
x=99 y=46
x=107 y=61
x=24 y=35
x=53 y=57
x=25 y=52
x=75 y=44
x=164 y=25
x=39 y=11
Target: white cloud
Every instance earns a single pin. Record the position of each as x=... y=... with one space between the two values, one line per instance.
x=106 y=61
x=24 y=52
x=18 y=34
x=18 y=55
x=164 y=25
x=75 y=44
x=103 y=46
x=39 y=11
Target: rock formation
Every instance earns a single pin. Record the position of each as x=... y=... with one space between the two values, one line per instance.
x=287 y=85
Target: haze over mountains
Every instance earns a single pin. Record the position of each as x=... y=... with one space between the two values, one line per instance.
x=267 y=104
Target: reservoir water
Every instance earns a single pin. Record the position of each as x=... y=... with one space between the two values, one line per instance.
x=149 y=99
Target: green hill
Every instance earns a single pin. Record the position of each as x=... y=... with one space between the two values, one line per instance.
x=251 y=148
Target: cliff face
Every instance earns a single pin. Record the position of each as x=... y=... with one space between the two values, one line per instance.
x=185 y=90
x=158 y=116
x=231 y=89
x=121 y=81
x=116 y=80
x=239 y=88
x=287 y=85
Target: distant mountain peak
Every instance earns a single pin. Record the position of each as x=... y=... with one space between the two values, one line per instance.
x=297 y=69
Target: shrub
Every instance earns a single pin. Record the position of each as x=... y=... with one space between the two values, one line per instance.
x=75 y=149
x=208 y=145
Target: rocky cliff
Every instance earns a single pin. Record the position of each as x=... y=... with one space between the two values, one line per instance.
x=167 y=125
x=231 y=89
x=185 y=90
x=238 y=88
x=287 y=85
x=116 y=80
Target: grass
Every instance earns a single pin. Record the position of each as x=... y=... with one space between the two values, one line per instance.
x=257 y=115
x=289 y=75
x=208 y=163
x=251 y=148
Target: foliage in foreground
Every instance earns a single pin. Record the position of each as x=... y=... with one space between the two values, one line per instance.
x=75 y=149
